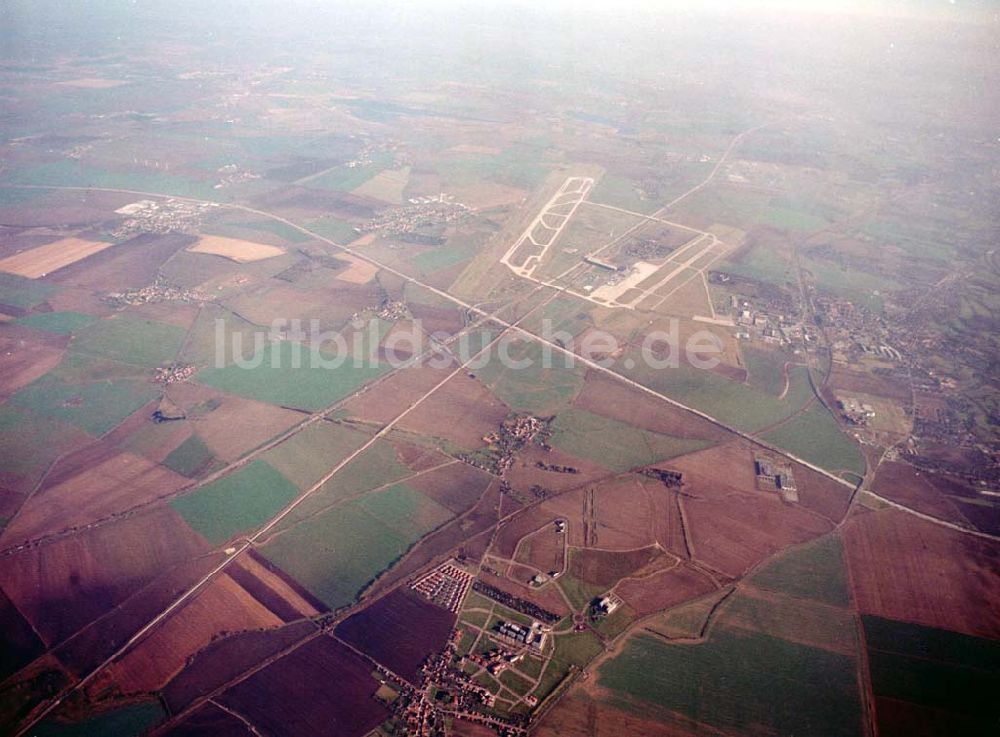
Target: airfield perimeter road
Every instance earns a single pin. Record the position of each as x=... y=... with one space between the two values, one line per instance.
x=507 y=327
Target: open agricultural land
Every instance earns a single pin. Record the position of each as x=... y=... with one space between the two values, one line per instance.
x=603 y=375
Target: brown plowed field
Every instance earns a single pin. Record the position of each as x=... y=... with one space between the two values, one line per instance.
x=732 y=524
x=315 y=202
x=416 y=457
x=400 y=631
x=544 y=550
x=23 y=360
x=604 y=568
x=524 y=523
x=624 y=513
x=456 y=487
x=663 y=590
x=119 y=483
x=668 y=527
x=525 y=473
x=581 y=716
x=321 y=690
x=92 y=645
x=228 y=657
x=906 y=568
x=606 y=396
x=222 y=606
x=462 y=411
x=134 y=263
x=866 y=383
x=19 y=642
x=61 y=586
x=171 y=313
x=257 y=422
x=273 y=591
x=903 y=483
x=395 y=394
x=438 y=319
x=732 y=532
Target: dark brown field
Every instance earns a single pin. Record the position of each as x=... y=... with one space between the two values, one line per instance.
x=228 y=657
x=134 y=263
x=395 y=394
x=95 y=642
x=604 y=568
x=222 y=607
x=63 y=585
x=106 y=487
x=20 y=644
x=456 y=487
x=210 y=721
x=927 y=493
x=322 y=690
x=399 y=631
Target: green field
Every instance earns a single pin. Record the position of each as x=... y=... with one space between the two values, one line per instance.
x=814 y=571
x=95 y=406
x=455 y=250
x=238 y=503
x=126 y=339
x=569 y=650
x=532 y=388
x=613 y=444
x=60 y=323
x=515 y=166
x=276 y=380
x=69 y=173
x=791 y=219
x=30 y=442
x=738 y=405
x=190 y=457
x=736 y=679
x=311 y=453
x=336 y=553
x=338 y=231
x=766 y=369
x=125 y=721
x=955 y=673
x=346 y=178
x=815 y=436
x=799 y=620
x=275 y=227
x=621 y=192
x=17 y=291
x=376 y=467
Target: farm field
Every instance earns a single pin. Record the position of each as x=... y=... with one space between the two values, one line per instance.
x=43 y=260
x=930 y=677
x=771 y=677
x=242 y=252
x=278 y=379
x=349 y=545
x=237 y=503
